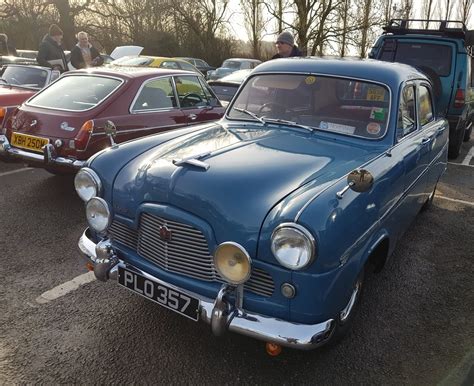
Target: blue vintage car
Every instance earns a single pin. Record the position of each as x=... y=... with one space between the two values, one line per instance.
x=265 y=222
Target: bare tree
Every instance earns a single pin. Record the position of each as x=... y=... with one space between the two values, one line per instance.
x=464 y=10
x=426 y=11
x=252 y=11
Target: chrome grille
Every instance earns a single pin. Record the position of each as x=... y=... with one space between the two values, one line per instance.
x=187 y=252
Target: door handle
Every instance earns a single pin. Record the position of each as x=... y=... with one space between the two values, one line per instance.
x=424 y=141
x=192 y=117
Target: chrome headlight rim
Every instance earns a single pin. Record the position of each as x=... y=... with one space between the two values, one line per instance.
x=245 y=253
x=306 y=233
x=95 y=180
x=108 y=213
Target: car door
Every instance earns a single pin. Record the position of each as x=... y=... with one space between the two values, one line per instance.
x=154 y=109
x=436 y=130
x=414 y=144
x=196 y=101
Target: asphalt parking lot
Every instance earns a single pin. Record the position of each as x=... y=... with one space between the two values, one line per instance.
x=59 y=325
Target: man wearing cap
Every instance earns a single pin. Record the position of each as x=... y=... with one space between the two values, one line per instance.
x=286 y=46
x=50 y=53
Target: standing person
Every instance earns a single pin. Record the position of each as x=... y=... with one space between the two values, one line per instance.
x=5 y=48
x=50 y=53
x=286 y=46
x=83 y=54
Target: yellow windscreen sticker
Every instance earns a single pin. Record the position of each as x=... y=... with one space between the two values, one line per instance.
x=310 y=79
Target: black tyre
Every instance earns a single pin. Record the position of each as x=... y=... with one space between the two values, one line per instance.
x=434 y=78
x=467 y=133
x=345 y=317
x=455 y=142
x=429 y=201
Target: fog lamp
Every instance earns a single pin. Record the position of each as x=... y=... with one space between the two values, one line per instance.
x=98 y=214
x=232 y=262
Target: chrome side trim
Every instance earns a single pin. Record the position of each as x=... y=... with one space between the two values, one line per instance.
x=222 y=317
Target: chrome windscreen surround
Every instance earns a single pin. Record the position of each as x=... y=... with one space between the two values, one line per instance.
x=176 y=255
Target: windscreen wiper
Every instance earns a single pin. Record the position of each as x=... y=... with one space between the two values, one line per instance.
x=253 y=115
x=289 y=123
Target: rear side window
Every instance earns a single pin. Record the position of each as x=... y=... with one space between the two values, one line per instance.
x=187 y=66
x=76 y=93
x=156 y=94
x=169 y=64
x=425 y=105
x=434 y=56
x=406 y=112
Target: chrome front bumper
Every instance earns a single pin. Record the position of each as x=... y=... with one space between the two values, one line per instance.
x=48 y=156
x=219 y=313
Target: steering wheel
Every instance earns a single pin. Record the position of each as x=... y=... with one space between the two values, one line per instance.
x=191 y=95
x=272 y=107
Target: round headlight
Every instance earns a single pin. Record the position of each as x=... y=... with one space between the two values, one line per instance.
x=87 y=184
x=98 y=214
x=232 y=262
x=293 y=246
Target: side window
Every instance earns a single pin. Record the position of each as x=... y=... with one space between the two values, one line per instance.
x=190 y=92
x=156 y=94
x=187 y=66
x=169 y=64
x=425 y=108
x=406 y=112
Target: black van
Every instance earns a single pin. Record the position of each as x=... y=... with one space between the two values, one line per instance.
x=446 y=55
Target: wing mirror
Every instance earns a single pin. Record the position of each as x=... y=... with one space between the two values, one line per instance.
x=359 y=181
x=111 y=132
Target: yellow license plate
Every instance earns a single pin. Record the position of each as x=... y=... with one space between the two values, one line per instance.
x=29 y=142
x=375 y=94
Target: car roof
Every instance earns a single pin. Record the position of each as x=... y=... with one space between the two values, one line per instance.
x=129 y=72
x=244 y=59
x=383 y=72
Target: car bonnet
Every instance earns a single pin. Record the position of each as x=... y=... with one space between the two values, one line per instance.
x=230 y=177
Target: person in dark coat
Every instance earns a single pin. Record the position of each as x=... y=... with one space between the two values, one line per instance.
x=286 y=46
x=83 y=54
x=50 y=53
x=5 y=48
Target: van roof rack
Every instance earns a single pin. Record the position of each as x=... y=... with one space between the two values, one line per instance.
x=446 y=28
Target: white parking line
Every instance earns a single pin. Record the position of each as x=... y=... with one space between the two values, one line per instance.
x=65 y=288
x=14 y=171
x=455 y=200
x=468 y=157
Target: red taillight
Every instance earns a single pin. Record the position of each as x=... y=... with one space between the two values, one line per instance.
x=459 y=99
x=83 y=136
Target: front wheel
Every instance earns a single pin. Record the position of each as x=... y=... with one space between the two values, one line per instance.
x=345 y=317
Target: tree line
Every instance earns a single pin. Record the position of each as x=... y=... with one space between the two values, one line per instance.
x=205 y=28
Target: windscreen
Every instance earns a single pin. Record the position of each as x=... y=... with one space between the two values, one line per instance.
x=434 y=56
x=231 y=64
x=338 y=105
x=25 y=76
x=76 y=93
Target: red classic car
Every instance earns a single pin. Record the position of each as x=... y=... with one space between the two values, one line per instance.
x=20 y=82
x=67 y=122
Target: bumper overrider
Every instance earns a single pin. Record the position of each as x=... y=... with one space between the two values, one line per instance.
x=222 y=314
x=48 y=157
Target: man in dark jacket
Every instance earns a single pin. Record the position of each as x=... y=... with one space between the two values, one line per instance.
x=83 y=54
x=286 y=46
x=5 y=48
x=50 y=53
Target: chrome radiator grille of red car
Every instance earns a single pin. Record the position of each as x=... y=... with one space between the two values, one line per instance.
x=180 y=248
